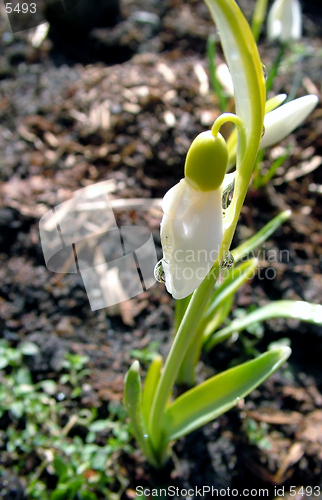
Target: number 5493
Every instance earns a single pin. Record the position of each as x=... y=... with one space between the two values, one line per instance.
x=23 y=8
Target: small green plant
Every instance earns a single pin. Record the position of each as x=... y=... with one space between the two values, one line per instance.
x=74 y=365
x=46 y=429
x=257 y=433
x=147 y=353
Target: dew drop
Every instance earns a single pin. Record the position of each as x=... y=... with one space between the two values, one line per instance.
x=265 y=72
x=159 y=272
x=227 y=262
x=145 y=436
x=227 y=195
x=263 y=131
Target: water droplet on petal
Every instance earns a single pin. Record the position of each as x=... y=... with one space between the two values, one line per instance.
x=227 y=195
x=227 y=262
x=265 y=72
x=263 y=131
x=159 y=272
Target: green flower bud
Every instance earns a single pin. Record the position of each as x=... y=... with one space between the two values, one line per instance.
x=206 y=161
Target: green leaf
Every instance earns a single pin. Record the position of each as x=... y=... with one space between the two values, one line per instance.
x=23 y=376
x=3 y=362
x=259 y=15
x=17 y=409
x=60 y=493
x=60 y=467
x=100 y=425
x=273 y=71
x=217 y=395
x=151 y=381
x=99 y=459
x=87 y=495
x=236 y=278
x=132 y=403
x=274 y=102
x=260 y=180
x=64 y=379
x=211 y=52
x=293 y=309
x=29 y=349
x=260 y=237
x=90 y=437
x=48 y=386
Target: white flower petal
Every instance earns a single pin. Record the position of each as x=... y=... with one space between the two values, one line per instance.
x=285 y=21
x=228 y=179
x=191 y=235
x=281 y=122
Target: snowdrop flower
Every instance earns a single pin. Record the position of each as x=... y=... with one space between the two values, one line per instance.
x=285 y=21
x=192 y=225
x=281 y=122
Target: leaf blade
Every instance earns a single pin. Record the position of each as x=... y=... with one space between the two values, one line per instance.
x=198 y=406
x=261 y=236
x=133 y=406
x=292 y=309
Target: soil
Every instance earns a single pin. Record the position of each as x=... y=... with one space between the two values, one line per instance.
x=123 y=104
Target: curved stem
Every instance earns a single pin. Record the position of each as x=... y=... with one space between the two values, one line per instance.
x=231 y=117
x=224 y=118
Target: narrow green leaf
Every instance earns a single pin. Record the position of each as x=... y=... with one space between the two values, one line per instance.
x=259 y=15
x=274 y=102
x=217 y=395
x=49 y=386
x=294 y=309
x=275 y=67
x=248 y=246
x=261 y=180
x=29 y=349
x=61 y=469
x=132 y=403
x=100 y=425
x=179 y=311
x=211 y=52
x=151 y=382
x=4 y=361
x=17 y=409
x=235 y=278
